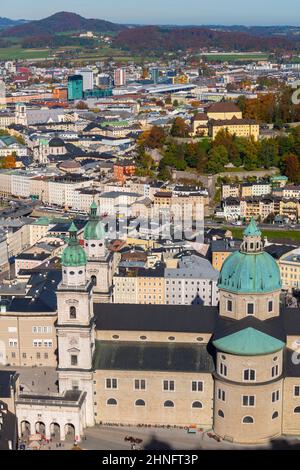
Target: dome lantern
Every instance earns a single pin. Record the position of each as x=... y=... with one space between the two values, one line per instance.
x=252 y=239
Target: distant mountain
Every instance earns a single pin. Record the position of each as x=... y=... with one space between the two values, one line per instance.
x=8 y=23
x=60 y=23
x=156 y=38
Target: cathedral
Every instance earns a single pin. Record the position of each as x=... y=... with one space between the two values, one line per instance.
x=232 y=368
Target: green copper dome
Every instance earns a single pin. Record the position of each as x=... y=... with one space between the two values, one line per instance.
x=74 y=255
x=249 y=342
x=255 y=273
x=94 y=229
x=250 y=270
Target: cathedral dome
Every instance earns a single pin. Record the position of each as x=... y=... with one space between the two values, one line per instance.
x=74 y=255
x=250 y=270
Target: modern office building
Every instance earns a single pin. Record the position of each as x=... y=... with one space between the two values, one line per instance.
x=88 y=78
x=75 y=87
x=120 y=77
x=154 y=72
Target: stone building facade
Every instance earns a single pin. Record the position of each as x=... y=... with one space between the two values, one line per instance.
x=234 y=368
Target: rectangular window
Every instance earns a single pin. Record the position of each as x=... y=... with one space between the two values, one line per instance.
x=169 y=385
x=24 y=355
x=140 y=384
x=296 y=391
x=249 y=375
x=74 y=360
x=46 y=356
x=248 y=400
x=223 y=369
x=197 y=386
x=270 y=306
x=38 y=355
x=229 y=305
x=221 y=395
x=13 y=343
x=13 y=355
x=275 y=371
x=275 y=396
x=250 y=309
x=111 y=384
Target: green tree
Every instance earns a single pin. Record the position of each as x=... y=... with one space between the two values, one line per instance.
x=217 y=159
x=268 y=154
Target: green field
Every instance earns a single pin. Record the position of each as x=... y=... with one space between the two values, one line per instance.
x=292 y=235
x=65 y=53
x=235 y=57
x=13 y=53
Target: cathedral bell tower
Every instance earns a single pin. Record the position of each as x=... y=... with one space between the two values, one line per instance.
x=75 y=325
x=99 y=260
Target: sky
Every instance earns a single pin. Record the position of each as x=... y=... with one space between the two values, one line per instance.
x=196 y=12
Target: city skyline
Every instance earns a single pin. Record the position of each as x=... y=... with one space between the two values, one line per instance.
x=192 y=13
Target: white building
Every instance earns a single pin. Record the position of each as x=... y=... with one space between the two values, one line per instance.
x=194 y=281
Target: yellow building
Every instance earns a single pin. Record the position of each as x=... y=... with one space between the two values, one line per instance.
x=224 y=110
x=140 y=286
x=289 y=265
x=221 y=250
x=290 y=208
x=239 y=127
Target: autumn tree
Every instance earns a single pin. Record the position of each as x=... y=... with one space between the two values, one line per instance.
x=179 y=128
x=155 y=138
x=292 y=167
x=82 y=105
x=8 y=162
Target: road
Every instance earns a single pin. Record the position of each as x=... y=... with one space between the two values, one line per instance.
x=112 y=438
x=214 y=224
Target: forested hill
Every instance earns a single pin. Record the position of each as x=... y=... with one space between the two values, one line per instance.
x=149 y=38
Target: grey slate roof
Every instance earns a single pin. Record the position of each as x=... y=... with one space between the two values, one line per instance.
x=170 y=318
x=175 y=357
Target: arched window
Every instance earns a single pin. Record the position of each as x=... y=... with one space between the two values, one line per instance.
x=197 y=404
x=249 y=375
x=73 y=313
x=221 y=414
x=275 y=415
x=169 y=404
x=94 y=280
x=297 y=410
x=248 y=420
x=112 y=402
x=140 y=403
